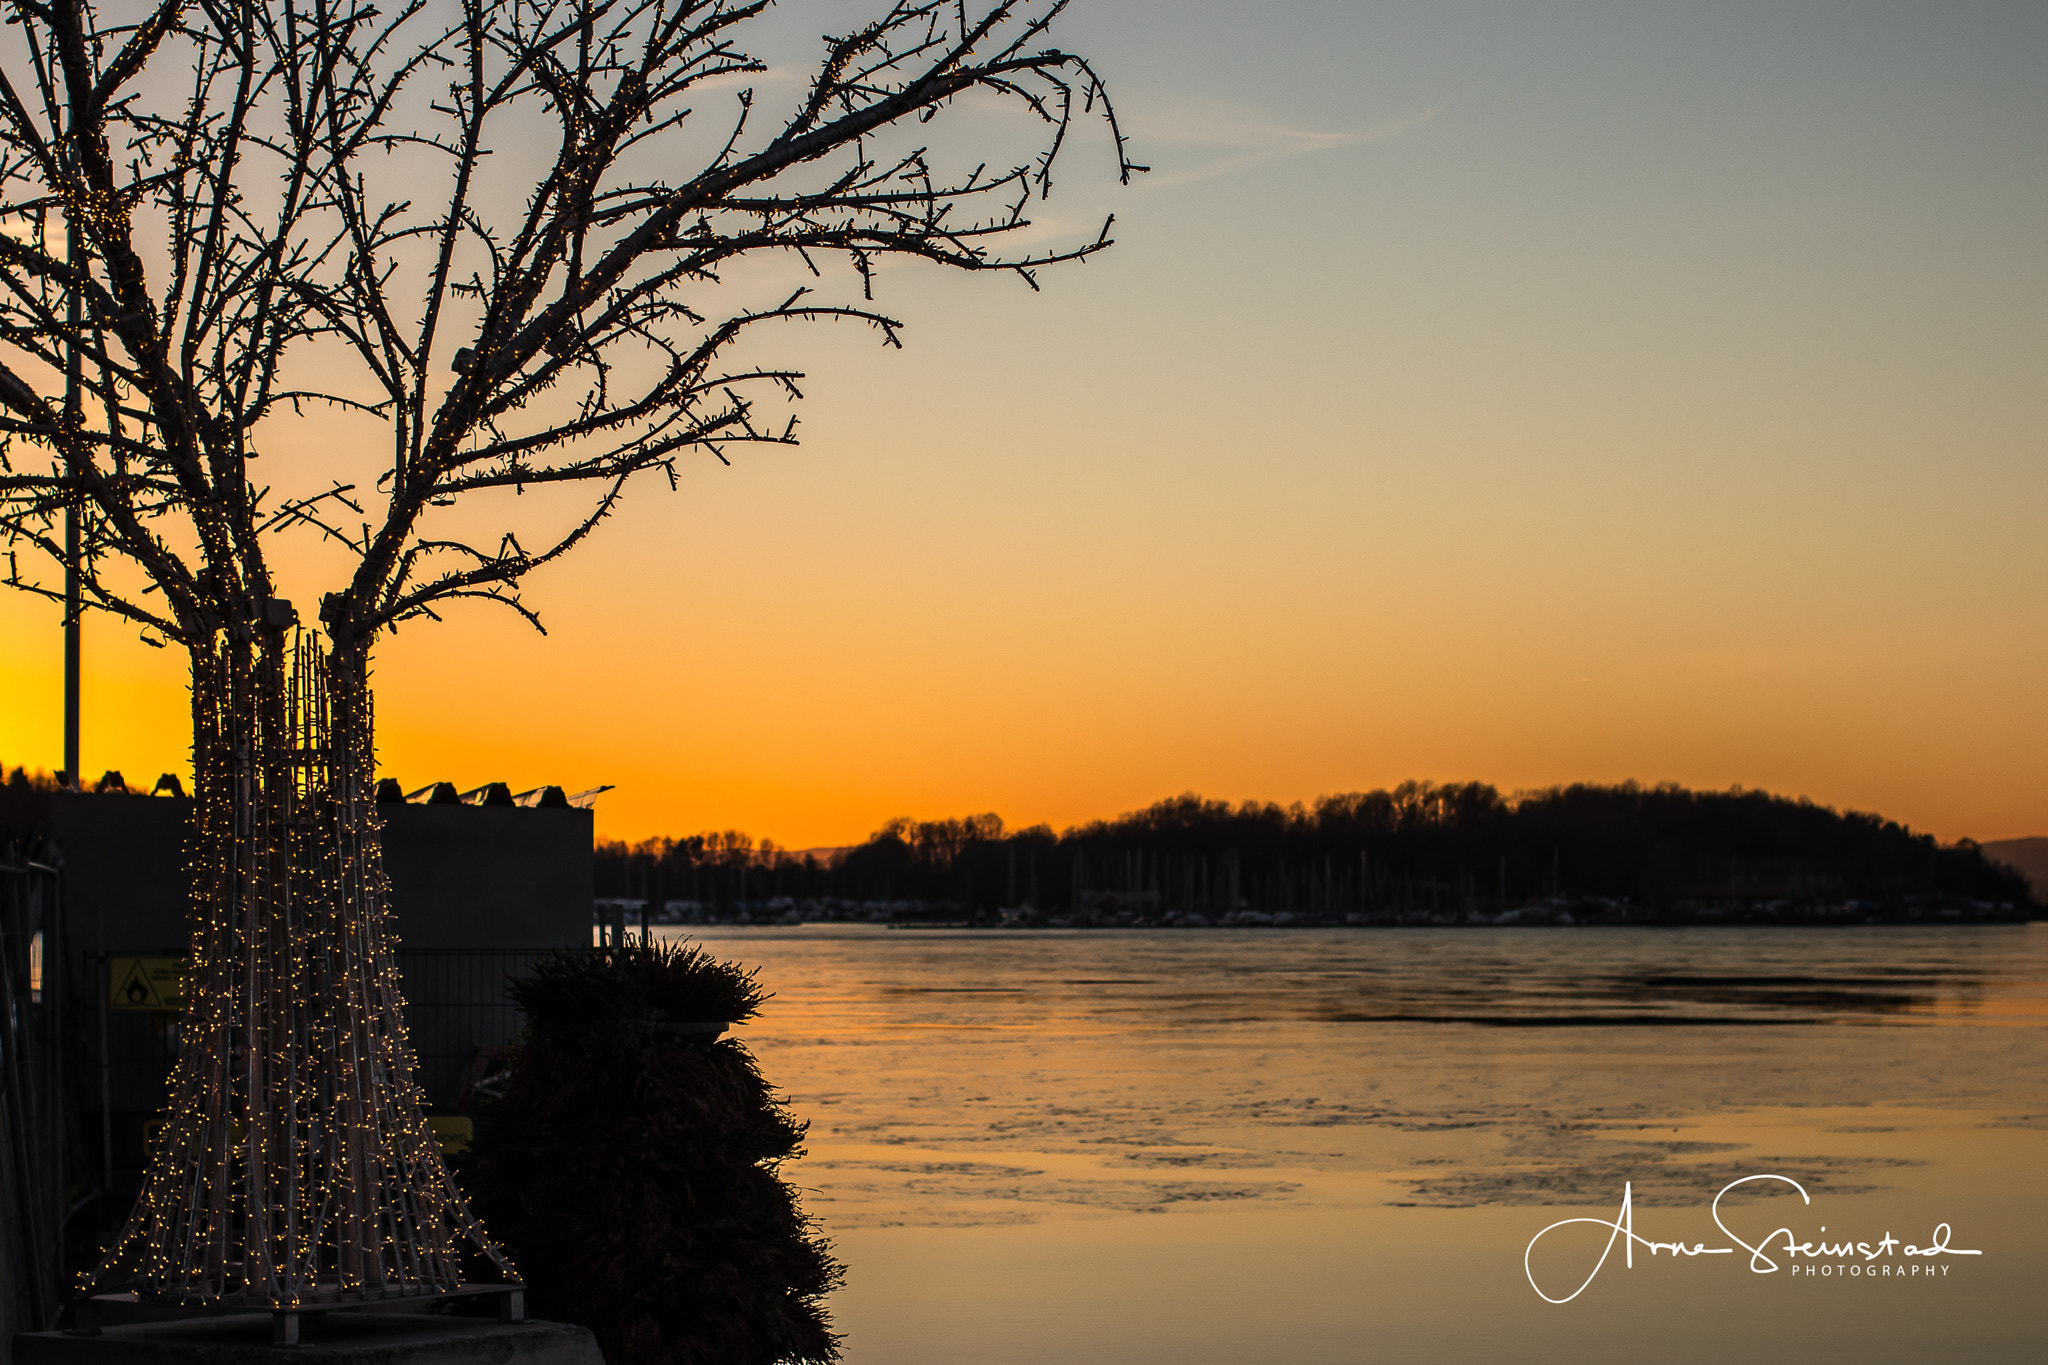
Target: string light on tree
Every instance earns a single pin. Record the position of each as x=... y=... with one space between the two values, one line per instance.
x=182 y=272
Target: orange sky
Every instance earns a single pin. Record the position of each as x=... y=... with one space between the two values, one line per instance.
x=1579 y=404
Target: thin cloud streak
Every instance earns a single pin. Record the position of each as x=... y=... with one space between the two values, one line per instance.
x=1248 y=139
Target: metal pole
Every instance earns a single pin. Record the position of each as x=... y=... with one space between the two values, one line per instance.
x=104 y=972
x=653 y=899
x=72 y=420
x=72 y=649
x=56 y=965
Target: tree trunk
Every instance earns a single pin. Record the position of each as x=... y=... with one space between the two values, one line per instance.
x=295 y=1163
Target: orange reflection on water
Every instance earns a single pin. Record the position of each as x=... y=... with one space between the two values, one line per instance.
x=1194 y=1147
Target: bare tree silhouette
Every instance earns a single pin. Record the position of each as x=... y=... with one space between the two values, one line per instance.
x=462 y=226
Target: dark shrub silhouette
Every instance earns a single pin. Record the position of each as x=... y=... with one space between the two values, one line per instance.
x=632 y=1167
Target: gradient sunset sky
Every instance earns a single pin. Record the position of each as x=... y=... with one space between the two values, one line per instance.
x=1520 y=392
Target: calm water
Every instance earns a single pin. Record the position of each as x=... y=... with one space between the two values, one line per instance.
x=1308 y=1146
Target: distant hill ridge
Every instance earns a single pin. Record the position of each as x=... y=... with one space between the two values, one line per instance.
x=2029 y=856
x=1421 y=852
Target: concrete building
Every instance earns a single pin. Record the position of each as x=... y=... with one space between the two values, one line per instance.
x=463 y=876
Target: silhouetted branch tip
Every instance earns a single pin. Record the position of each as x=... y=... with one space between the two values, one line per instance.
x=182 y=254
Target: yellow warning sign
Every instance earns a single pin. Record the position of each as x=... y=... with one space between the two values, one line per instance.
x=146 y=983
x=453 y=1131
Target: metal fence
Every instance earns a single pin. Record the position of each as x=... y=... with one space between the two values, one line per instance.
x=456 y=1010
x=83 y=1073
x=458 y=1013
x=33 y=1188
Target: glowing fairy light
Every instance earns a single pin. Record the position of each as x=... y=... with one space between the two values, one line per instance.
x=295 y=1165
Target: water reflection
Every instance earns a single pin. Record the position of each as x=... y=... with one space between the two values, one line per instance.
x=1185 y=1114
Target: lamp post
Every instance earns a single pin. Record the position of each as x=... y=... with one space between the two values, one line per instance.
x=72 y=645
x=73 y=409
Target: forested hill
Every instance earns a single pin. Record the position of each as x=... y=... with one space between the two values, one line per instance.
x=2028 y=857
x=1421 y=853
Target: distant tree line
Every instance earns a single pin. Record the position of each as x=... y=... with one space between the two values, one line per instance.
x=1422 y=851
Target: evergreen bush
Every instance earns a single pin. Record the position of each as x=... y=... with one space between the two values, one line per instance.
x=632 y=1168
